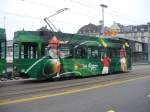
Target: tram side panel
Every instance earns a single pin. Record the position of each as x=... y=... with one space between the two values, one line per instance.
x=3 y=63
x=29 y=61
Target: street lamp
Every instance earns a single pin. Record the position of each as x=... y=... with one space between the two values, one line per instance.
x=103 y=6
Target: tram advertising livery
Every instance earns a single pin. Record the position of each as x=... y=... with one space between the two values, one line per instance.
x=42 y=55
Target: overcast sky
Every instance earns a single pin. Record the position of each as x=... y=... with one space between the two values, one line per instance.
x=28 y=14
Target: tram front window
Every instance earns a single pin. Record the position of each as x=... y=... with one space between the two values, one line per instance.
x=92 y=53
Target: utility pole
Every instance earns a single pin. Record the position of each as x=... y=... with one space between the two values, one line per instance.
x=4 y=21
x=103 y=6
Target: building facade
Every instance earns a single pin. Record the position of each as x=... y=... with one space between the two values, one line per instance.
x=138 y=35
x=90 y=30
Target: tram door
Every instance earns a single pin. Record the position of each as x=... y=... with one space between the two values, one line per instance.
x=113 y=54
x=94 y=60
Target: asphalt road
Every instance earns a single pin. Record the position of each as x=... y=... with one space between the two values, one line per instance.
x=128 y=92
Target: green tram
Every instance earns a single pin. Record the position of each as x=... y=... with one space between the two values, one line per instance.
x=3 y=63
x=36 y=56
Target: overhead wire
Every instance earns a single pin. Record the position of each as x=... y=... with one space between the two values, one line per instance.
x=90 y=5
x=48 y=6
x=75 y=12
x=33 y=17
x=54 y=7
x=20 y=15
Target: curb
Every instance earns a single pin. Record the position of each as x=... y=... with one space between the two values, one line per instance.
x=137 y=64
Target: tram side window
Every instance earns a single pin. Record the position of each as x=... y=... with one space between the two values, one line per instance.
x=115 y=53
x=80 y=53
x=2 y=50
x=32 y=52
x=22 y=52
x=95 y=53
x=112 y=52
x=65 y=52
x=108 y=51
x=16 y=51
x=104 y=51
x=28 y=51
x=92 y=53
x=89 y=53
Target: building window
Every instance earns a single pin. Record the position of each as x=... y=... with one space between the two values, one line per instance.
x=138 y=47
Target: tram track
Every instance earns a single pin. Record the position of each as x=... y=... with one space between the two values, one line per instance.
x=24 y=90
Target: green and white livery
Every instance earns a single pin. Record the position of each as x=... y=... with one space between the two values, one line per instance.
x=37 y=57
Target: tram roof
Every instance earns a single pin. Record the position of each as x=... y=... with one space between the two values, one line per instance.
x=23 y=36
x=45 y=36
